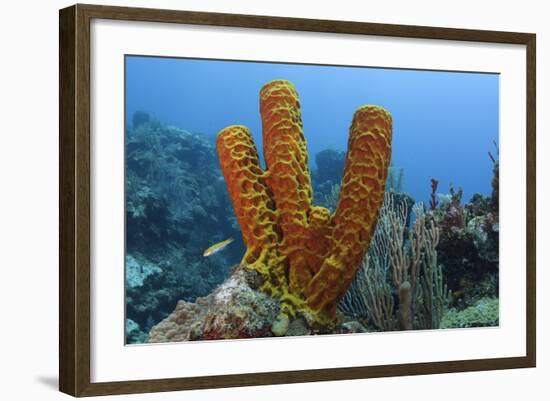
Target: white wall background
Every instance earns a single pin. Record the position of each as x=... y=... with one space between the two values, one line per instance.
x=29 y=184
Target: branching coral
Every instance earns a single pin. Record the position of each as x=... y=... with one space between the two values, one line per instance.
x=306 y=255
x=433 y=294
x=415 y=271
x=370 y=295
x=409 y=257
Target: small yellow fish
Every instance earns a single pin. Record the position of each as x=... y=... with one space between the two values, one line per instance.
x=217 y=247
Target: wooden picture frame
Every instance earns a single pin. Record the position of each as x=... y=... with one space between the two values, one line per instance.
x=74 y=199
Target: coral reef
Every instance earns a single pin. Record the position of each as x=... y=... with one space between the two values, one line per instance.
x=183 y=324
x=234 y=310
x=397 y=269
x=468 y=245
x=173 y=184
x=465 y=262
x=134 y=334
x=346 y=266
x=137 y=272
x=307 y=256
x=484 y=312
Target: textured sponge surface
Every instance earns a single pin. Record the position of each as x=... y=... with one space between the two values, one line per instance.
x=307 y=256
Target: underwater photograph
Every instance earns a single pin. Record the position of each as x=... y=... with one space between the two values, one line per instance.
x=279 y=199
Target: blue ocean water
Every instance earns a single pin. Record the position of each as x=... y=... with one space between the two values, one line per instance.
x=444 y=123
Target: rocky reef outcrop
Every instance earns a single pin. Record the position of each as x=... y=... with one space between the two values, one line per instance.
x=464 y=261
x=173 y=184
x=236 y=309
x=469 y=244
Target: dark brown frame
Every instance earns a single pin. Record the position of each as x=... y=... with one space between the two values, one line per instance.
x=74 y=199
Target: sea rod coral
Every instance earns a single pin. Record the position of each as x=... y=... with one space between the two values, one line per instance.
x=306 y=256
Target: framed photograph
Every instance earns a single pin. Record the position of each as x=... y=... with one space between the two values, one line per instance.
x=250 y=200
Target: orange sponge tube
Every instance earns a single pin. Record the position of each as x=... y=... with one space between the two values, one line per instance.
x=307 y=256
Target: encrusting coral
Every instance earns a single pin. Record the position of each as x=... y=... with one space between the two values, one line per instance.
x=306 y=256
x=234 y=310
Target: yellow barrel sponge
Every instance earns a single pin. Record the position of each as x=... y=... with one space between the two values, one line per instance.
x=307 y=256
